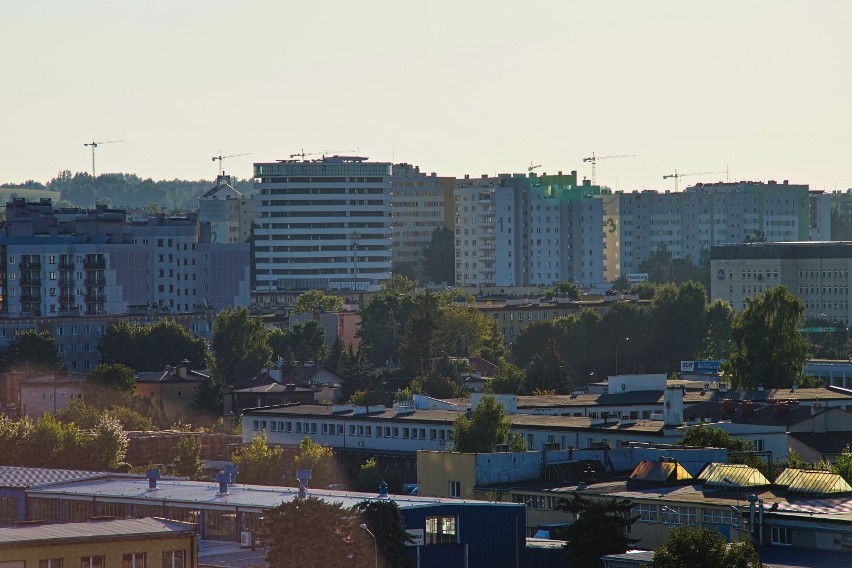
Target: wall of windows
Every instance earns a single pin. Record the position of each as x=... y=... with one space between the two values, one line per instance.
x=441 y=530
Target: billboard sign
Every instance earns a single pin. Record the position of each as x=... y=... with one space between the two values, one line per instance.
x=704 y=367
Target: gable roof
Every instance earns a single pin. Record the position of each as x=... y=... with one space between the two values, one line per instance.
x=811 y=482
x=171 y=376
x=93 y=530
x=659 y=472
x=731 y=475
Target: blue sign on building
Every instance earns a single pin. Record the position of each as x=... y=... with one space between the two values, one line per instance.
x=704 y=367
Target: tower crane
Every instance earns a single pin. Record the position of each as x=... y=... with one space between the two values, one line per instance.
x=220 y=157
x=594 y=160
x=94 y=145
x=531 y=167
x=676 y=175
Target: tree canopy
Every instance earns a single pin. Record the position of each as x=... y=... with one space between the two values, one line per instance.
x=113 y=377
x=440 y=257
x=702 y=547
x=768 y=348
x=487 y=427
x=240 y=345
x=259 y=463
x=309 y=301
x=31 y=352
x=150 y=347
x=319 y=458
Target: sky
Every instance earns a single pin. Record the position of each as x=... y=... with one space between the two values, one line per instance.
x=761 y=89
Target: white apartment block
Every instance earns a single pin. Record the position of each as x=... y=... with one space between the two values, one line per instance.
x=418 y=205
x=229 y=212
x=528 y=231
x=322 y=224
x=690 y=222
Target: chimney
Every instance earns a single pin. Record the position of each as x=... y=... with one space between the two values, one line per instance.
x=673 y=406
x=232 y=470
x=183 y=369
x=152 y=475
x=303 y=476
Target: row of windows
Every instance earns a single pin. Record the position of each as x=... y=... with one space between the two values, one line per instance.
x=170 y=559
x=359 y=430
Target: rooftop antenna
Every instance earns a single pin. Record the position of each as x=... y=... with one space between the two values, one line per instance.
x=94 y=145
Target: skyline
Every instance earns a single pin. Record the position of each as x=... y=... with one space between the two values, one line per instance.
x=478 y=88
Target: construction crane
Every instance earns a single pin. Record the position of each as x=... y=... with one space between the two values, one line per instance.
x=220 y=157
x=531 y=167
x=94 y=145
x=594 y=160
x=676 y=175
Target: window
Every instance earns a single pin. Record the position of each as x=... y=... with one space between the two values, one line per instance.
x=173 y=559
x=781 y=536
x=133 y=560
x=441 y=530
x=92 y=562
x=50 y=563
x=720 y=517
x=455 y=489
x=646 y=512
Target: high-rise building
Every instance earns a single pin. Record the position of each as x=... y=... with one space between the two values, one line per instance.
x=418 y=206
x=688 y=223
x=522 y=230
x=322 y=224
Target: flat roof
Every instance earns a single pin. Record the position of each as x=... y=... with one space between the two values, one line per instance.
x=93 y=530
x=206 y=494
x=22 y=477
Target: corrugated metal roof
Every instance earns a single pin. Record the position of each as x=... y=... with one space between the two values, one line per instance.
x=33 y=476
x=732 y=475
x=659 y=472
x=92 y=529
x=810 y=482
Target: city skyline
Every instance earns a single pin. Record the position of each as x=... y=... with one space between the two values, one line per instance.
x=756 y=89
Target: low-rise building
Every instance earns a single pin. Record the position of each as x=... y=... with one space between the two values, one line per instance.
x=49 y=393
x=171 y=389
x=101 y=544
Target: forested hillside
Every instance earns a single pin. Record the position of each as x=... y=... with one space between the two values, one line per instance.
x=120 y=190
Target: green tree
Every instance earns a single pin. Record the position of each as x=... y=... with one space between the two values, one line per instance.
x=678 y=316
x=308 y=341
x=187 y=459
x=385 y=521
x=704 y=436
x=601 y=527
x=333 y=530
x=440 y=257
x=334 y=354
x=208 y=396
x=240 y=345
x=701 y=547
x=259 y=463
x=719 y=320
x=108 y=445
x=487 y=426
x=32 y=352
x=147 y=347
x=356 y=374
x=319 y=458
x=463 y=331
x=383 y=320
x=566 y=289
x=547 y=372
x=309 y=301
x=113 y=377
x=508 y=379
x=419 y=340
x=768 y=347
x=843 y=464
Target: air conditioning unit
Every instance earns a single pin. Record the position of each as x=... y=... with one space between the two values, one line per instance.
x=361 y=444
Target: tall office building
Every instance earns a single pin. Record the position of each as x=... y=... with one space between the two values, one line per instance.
x=418 y=205
x=688 y=223
x=322 y=224
x=529 y=230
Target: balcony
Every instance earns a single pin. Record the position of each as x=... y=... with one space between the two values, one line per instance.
x=95 y=297
x=94 y=263
x=96 y=281
x=30 y=265
x=30 y=280
x=66 y=265
x=30 y=298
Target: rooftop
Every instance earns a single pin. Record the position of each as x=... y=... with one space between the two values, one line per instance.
x=92 y=531
x=22 y=477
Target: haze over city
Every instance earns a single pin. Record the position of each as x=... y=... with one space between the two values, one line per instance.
x=757 y=88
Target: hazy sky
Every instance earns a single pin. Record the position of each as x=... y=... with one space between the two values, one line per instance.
x=761 y=87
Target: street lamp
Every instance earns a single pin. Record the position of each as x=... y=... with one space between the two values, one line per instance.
x=375 y=543
x=616 y=352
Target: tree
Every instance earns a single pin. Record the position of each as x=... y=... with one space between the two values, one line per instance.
x=259 y=463
x=719 y=319
x=487 y=426
x=32 y=351
x=702 y=547
x=332 y=530
x=440 y=256
x=240 y=345
x=108 y=445
x=418 y=342
x=384 y=520
x=318 y=458
x=187 y=460
x=146 y=347
x=309 y=301
x=843 y=464
x=704 y=436
x=356 y=374
x=678 y=316
x=113 y=377
x=508 y=379
x=463 y=331
x=335 y=353
x=564 y=289
x=383 y=320
x=768 y=347
x=600 y=528
x=547 y=372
